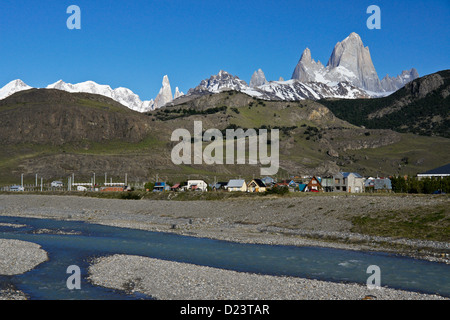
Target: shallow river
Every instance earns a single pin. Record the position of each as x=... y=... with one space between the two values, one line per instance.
x=85 y=241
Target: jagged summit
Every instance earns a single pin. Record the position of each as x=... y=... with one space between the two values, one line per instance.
x=351 y=62
x=291 y=90
x=258 y=79
x=354 y=57
x=217 y=83
x=308 y=70
x=165 y=94
x=391 y=84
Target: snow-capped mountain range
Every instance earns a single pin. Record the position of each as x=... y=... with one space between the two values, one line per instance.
x=122 y=95
x=290 y=90
x=349 y=74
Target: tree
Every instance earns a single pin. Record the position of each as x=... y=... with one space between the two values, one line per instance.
x=149 y=186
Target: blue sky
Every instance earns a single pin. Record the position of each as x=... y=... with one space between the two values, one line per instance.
x=134 y=43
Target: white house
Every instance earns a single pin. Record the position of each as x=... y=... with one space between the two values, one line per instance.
x=197 y=185
x=348 y=182
x=237 y=185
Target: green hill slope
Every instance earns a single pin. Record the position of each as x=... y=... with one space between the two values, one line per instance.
x=421 y=107
x=54 y=134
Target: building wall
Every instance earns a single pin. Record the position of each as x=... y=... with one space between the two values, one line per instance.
x=354 y=184
x=242 y=189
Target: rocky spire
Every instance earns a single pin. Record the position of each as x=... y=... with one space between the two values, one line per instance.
x=258 y=79
x=165 y=94
x=354 y=57
x=307 y=69
x=178 y=93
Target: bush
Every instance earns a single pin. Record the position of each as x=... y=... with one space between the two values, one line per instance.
x=130 y=196
x=278 y=190
x=149 y=186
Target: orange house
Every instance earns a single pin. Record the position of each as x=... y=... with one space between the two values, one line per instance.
x=314 y=185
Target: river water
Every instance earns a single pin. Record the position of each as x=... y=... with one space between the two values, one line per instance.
x=86 y=241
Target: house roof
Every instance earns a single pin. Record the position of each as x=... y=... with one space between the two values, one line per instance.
x=176 y=186
x=438 y=171
x=235 y=183
x=220 y=184
x=380 y=184
x=346 y=174
x=258 y=182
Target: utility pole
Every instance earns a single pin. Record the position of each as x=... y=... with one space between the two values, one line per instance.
x=21 y=180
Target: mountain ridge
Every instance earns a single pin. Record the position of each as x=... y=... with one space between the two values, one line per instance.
x=422 y=106
x=350 y=61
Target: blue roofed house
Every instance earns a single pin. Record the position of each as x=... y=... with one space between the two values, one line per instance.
x=159 y=187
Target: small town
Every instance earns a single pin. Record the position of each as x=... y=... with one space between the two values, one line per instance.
x=436 y=181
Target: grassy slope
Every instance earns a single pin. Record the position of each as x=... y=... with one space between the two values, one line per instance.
x=426 y=116
x=422 y=153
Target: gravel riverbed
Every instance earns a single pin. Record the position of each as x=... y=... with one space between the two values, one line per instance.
x=17 y=257
x=165 y=280
x=302 y=221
